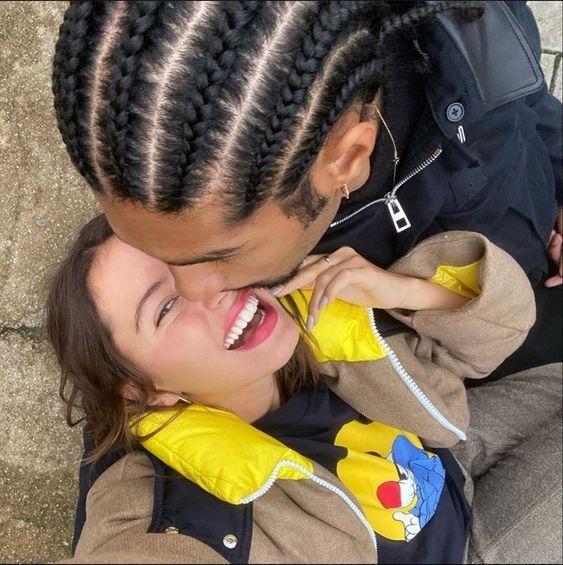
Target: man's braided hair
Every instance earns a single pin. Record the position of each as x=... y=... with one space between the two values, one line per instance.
x=165 y=103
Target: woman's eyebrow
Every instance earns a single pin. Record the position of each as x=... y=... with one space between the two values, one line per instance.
x=148 y=293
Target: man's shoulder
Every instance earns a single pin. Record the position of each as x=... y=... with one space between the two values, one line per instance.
x=498 y=51
x=478 y=65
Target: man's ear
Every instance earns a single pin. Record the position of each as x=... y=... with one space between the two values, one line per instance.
x=345 y=157
x=160 y=398
x=351 y=150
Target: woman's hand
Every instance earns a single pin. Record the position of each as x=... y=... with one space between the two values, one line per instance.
x=346 y=275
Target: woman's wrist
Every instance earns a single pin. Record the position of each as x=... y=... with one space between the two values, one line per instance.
x=420 y=294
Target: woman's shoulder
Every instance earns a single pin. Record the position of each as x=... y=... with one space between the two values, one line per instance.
x=120 y=500
x=119 y=511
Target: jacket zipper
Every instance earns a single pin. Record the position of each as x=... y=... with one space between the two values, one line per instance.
x=411 y=384
x=329 y=486
x=398 y=215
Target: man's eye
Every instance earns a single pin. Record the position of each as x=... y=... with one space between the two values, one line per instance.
x=165 y=309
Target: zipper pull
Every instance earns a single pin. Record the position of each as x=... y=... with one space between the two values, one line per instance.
x=400 y=219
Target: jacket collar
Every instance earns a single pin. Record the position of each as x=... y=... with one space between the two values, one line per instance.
x=343 y=331
x=220 y=452
x=479 y=65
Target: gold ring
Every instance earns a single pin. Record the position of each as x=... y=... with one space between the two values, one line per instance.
x=328 y=260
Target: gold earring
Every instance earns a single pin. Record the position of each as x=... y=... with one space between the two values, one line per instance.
x=184 y=399
x=345 y=191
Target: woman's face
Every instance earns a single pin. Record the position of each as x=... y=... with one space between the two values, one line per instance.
x=191 y=348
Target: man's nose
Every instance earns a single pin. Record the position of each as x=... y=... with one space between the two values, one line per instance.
x=198 y=283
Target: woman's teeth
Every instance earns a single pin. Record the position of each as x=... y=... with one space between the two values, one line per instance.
x=242 y=320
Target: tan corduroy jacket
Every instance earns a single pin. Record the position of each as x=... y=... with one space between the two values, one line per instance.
x=413 y=381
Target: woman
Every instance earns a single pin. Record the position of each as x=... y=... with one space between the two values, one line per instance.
x=241 y=444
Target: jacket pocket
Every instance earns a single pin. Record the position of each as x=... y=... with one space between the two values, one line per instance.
x=466 y=184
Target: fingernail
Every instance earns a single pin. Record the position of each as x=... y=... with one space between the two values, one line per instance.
x=310 y=323
x=323 y=303
x=276 y=289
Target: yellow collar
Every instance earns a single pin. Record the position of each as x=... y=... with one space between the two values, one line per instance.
x=342 y=333
x=220 y=452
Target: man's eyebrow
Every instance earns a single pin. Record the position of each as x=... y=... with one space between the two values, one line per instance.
x=149 y=292
x=212 y=256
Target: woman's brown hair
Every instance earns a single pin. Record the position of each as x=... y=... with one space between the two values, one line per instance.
x=93 y=372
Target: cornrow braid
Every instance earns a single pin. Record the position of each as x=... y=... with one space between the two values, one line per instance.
x=180 y=104
x=364 y=77
x=125 y=63
x=265 y=67
x=415 y=15
x=199 y=108
x=408 y=21
x=332 y=18
x=331 y=96
x=69 y=62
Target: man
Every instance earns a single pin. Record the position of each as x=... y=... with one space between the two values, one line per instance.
x=232 y=140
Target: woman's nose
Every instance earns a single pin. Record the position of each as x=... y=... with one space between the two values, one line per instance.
x=199 y=283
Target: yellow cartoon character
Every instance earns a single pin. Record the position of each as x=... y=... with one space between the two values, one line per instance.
x=397 y=483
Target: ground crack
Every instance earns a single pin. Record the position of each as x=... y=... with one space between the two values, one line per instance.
x=30 y=333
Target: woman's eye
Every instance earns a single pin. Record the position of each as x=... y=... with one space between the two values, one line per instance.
x=165 y=309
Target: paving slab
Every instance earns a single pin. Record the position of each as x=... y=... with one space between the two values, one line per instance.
x=43 y=200
x=39 y=455
x=548 y=14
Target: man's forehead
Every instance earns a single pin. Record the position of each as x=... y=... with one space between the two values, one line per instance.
x=193 y=235
x=120 y=211
x=203 y=229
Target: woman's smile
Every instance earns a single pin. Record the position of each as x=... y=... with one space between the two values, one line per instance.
x=249 y=323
